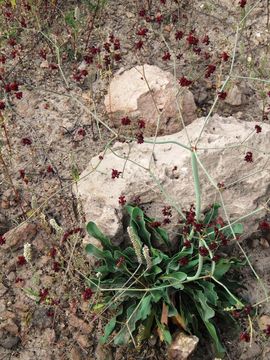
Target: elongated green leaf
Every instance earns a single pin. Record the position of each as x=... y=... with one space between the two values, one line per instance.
x=238 y=229
x=137 y=217
x=101 y=254
x=211 y=214
x=110 y=327
x=94 y=231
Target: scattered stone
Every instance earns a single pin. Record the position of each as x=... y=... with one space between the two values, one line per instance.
x=103 y=353
x=182 y=347
x=264 y=243
x=140 y=91
x=82 y=340
x=76 y=322
x=20 y=235
x=100 y=193
x=234 y=96
x=263 y=322
x=75 y=354
x=9 y=341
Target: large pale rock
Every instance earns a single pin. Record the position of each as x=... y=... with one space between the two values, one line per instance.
x=143 y=91
x=182 y=346
x=171 y=169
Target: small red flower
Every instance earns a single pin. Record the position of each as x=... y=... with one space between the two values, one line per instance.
x=87 y=294
x=53 y=66
x=167 y=211
x=179 y=35
x=139 y=45
x=141 y=124
x=155 y=224
x=222 y=95
x=242 y=3
x=183 y=81
x=56 y=266
x=50 y=169
x=184 y=261
x=21 y=260
x=140 y=138
x=249 y=157
x=216 y=258
x=159 y=18
x=166 y=56
x=115 y=173
x=142 y=13
x=2 y=240
x=2 y=59
x=213 y=245
x=264 y=225
x=43 y=293
x=244 y=336
x=211 y=68
x=117 y=57
x=19 y=95
x=2 y=105
x=122 y=200
x=236 y=314
x=187 y=244
x=206 y=40
x=14 y=86
x=26 y=141
x=258 y=129
x=142 y=32
x=81 y=132
x=203 y=251
x=50 y=313
x=224 y=56
x=125 y=121
x=166 y=221
x=192 y=40
x=22 y=173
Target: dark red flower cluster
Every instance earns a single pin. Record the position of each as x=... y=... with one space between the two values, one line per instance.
x=249 y=157
x=184 y=261
x=222 y=95
x=2 y=240
x=56 y=266
x=166 y=56
x=211 y=68
x=122 y=200
x=244 y=336
x=179 y=35
x=203 y=251
x=141 y=124
x=192 y=39
x=43 y=293
x=258 y=129
x=139 y=45
x=140 y=138
x=125 y=121
x=142 y=32
x=87 y=294
x=264 y=225
x=80 y=75
x=242 y=3
x=115 y=173
x=26 y=141
x=183 y=81
x=2 y=105
x=155 y=224
x=52 y=252
x=21 y=260
x=206 y=40
x=224 y=56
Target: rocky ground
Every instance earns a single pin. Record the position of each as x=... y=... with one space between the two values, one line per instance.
x=50 y=135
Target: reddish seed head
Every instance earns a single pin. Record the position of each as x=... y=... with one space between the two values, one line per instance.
x=115 y=173
x=141 y=124
x=43 y=293
x=264 y=225
x=159 y=18
x=14 y=86
x=19 y=95
x=155 y=224
x=142 y=32
x=203 y=251
x=187 y=244
x=179 y=35
x=50 y=169
x=56 y=266
x=87 y=294
x=21 y=260
x=225 y=56
x=140 y=138
x=206 y=40
x=210 y=70
x=122 y=200
x=244 y=336
x=142 y=13
x=258 y=129
x=125 y=121
x=166 y=56
x=139 y=45
x=22 y=173
x=183 y=81
x=81 y=132
x=242 y=3
x=184 y=261
x=216 y=258
x=192 y=40
x=50 y=313
x=249 y=157
x=2 y=59
x=26 y=141
x=117 y=57
x=166 y=221
x=222 y=95
x=213 y=245
x=2 y=105
x=2 y=240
